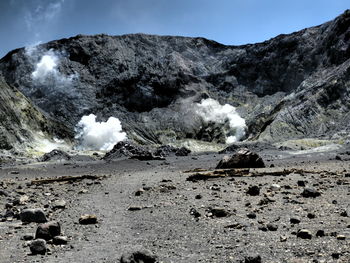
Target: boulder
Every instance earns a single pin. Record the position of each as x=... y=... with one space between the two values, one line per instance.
x=36 y=215
x=243 y=158
x=38 y=246
x=143 y=256
x=48 y=230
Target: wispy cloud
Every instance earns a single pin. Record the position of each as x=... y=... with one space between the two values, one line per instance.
x=42 y=14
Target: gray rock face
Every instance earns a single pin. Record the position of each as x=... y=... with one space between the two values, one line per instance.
x=36 y=215
x=291 y=86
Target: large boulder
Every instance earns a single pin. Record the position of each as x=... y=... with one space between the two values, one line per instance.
x=35 y=215
x=243 y=158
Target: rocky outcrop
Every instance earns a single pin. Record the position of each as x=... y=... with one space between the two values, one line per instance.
x=21 y=122
x=291 y=86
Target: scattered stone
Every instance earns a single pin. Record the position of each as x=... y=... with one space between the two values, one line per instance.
x=251 y=215
x=252 y=259
x=36 y=215
x=253 y=190
x=60 y=204
x=341 y=237
x=344 y=213
x=135 y=208
x=139 y=192
x=60 y=240
x=144 y=256
x=218 y=212
x=38 y=246
x=275 y=187
x=304 y=234
x=320 y=233
x=194 y=212
x=48 y=230
x=88 y=219
x=244 y=158
x=283 y=238
x=310 y=192
x=272 y=227
x=27 y=237
x=294 y=220
x=198 y=196
x=311 y=215
x=55 y=155
x=3 y=193
x=301 y=183
x=265 y=201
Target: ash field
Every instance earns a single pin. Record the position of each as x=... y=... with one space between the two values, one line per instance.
x=145 y=148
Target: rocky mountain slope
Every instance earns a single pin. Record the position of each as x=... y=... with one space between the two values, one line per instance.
x=22 y=122
x=292 y=86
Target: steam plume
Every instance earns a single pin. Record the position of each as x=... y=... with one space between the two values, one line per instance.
x=211 y=110
x=99 y=135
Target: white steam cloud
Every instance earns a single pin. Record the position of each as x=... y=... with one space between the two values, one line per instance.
x=211 y=110
x=99 y=135
x=46 y=71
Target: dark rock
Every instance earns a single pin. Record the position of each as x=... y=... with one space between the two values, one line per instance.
x=131 y=150
x=301 y=183
x=60 y=240
x=88 y=219
x=310 y=192
x=219 y=212
x=294 y=220
x=251 y=215
x=311 y=215
x=36 y=215
x=194 y=212
x=344 y=213
x=242 y=159
x=199 y=196
x=55 y=155
x=167 y=150
x=341 y=237
x=38 y=246
x=253 y=190
x=138 y=257
x=134 y=208
x=48 y=230
x=320 y=233
x=304 y=234
x=272 y=227
x=3 y=193
x=27 y=237
x=252 y=259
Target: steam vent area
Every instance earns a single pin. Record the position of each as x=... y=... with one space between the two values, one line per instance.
x=144 y=148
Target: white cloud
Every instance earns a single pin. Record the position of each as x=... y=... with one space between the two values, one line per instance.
x=211 y=110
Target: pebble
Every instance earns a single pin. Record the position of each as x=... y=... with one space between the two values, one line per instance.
x=294 y=220
x=198 y=196
x=139 y=192
x=310 y=192
x=88 y=219
x=38 y=246
x=219 y=212
x=252 y=259
x=48 y=230
x=304 y=234
x=27 y=237
x=60 y=204
x=60 y=240
x=341 y=237
x=36 y=215
x=135 y=208
x=320 y=233
x=253 y=190
x=272 y=227
x=144 y=256
x=251 y=215
x=311 y=215
x=275 y=187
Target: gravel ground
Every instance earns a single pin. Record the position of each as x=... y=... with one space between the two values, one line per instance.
x=150 y=205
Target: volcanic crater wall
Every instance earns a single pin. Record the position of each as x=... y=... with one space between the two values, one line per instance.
x=291 y=86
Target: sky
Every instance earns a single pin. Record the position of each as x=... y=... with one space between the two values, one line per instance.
x=231 y=22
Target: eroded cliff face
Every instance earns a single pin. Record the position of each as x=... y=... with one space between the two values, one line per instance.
x=291 y=86
x=22 y=126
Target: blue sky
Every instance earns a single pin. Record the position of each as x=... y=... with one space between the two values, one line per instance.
x=234 y=22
